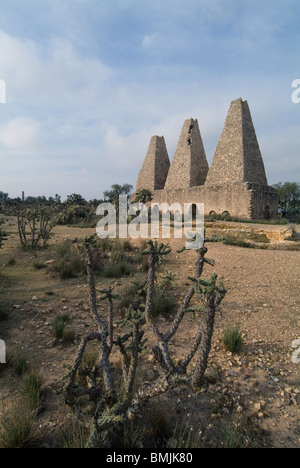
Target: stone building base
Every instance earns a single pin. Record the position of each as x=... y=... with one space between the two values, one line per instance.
x=243 y=200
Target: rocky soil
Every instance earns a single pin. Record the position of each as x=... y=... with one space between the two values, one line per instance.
x=255 y=392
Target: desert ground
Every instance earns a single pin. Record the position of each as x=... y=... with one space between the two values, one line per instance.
x=256 y=391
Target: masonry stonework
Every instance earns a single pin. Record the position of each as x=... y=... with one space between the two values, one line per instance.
x=236 y=181
x=154 y=171
x=189 y=166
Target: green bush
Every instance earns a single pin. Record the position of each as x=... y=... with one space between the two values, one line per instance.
x=116 y=270
x=232 y=339
x=128 y=294
x=162 y=303
x=19 y=363
x=31 y=389
x=11 y=261
x=2 y=233
x=17 y=426
x=71 y=264
x=74 y=435
x=37 y=265
x=59 y=324
x=75 y=214
x=68 y=335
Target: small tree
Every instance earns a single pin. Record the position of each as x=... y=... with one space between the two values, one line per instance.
x=289 y=194
x=116 y=190
x=76 y=199
x=143 y=196
x=116 y=405
x=3 y=196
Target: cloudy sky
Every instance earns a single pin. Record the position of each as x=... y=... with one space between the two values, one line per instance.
x=88 y=82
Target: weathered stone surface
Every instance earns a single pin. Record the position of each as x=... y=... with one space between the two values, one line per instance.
x=237 y=158
x=189 y=167
x=155 y=169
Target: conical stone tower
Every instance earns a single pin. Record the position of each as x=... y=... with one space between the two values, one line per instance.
x=154 y=171
x=237 y=158
x=189 y=167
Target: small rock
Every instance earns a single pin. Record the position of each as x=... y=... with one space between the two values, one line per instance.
x=257 y=407
x=296 y=343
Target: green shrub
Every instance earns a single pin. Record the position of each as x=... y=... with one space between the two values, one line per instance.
x=233 y=438
x=19 y=363
x=70 y=267
x=37 y=265
x=68 y=335
x=59 y=324
x=11 y=262
x=64 y=249
x=89 y=358
x=74 y=435
x=3 y=234
x=49 y=293
x=17 y=426
x=76 y=214
x=105 y=245
x=232 y=339
x=185 y=437
x=71 y=263
x=162 y=303
x=128 y=294
x=116 y=270
x=31 y=389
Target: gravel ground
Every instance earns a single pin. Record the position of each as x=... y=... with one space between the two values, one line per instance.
x=256 y=391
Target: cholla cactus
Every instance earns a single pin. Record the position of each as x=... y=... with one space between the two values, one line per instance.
x=113 y=406
x=34 y=226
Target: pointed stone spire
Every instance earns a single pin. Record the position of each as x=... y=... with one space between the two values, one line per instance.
x=156 y=165
x=189 y=167
x=237 y=157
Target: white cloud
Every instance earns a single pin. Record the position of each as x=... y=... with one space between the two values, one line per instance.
x=58 y=76
x=22 y=135
x=148 y=41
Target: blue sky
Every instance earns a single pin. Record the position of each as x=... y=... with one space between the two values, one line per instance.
x=88 y=82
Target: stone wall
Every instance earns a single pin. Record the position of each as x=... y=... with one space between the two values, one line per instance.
x=215 y=198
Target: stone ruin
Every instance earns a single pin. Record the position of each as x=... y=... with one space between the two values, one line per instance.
x=235 y=183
